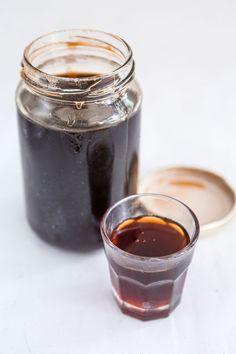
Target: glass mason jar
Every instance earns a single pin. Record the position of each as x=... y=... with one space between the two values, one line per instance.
x=78 y=110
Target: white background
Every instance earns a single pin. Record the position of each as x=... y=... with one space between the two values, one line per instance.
x=54 y=302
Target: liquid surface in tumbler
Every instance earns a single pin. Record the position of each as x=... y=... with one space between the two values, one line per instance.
x=150 y=236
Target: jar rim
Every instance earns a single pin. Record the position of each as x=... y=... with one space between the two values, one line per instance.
x=89 y=87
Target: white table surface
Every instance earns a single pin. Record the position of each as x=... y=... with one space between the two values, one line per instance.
x=54 y=302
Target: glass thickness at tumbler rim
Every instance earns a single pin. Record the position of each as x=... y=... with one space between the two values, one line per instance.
x=148 y=287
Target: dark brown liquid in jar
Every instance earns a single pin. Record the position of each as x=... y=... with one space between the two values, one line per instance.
x=71 y=178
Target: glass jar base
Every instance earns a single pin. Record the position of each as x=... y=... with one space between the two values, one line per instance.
x=67 y=245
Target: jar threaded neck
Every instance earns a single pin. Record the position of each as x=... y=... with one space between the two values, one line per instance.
x=106 y=55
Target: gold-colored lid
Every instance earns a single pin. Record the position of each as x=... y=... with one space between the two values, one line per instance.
x=211 y=198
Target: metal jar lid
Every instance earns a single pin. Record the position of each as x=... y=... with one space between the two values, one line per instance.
x=209 y=195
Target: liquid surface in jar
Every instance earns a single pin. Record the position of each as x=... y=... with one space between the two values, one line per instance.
x=150 y=236
x=76 y=74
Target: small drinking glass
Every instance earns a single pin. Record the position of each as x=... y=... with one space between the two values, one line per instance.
x=148 y=287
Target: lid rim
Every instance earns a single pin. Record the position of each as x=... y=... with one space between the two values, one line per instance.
x=226 y=187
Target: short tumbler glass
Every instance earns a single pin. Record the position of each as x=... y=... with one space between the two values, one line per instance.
x=148 y=287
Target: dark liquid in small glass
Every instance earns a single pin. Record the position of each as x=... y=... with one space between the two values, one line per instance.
x=149 y=236
x=71 y=178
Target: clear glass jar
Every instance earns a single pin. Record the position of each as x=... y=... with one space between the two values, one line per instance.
x=78 y=110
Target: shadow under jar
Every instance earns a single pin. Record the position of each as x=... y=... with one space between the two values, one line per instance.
x=78 y=110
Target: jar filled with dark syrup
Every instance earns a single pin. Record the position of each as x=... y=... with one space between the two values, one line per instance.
x=78 y=110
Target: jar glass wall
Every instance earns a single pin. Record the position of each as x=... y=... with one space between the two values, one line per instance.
x=78 y=110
